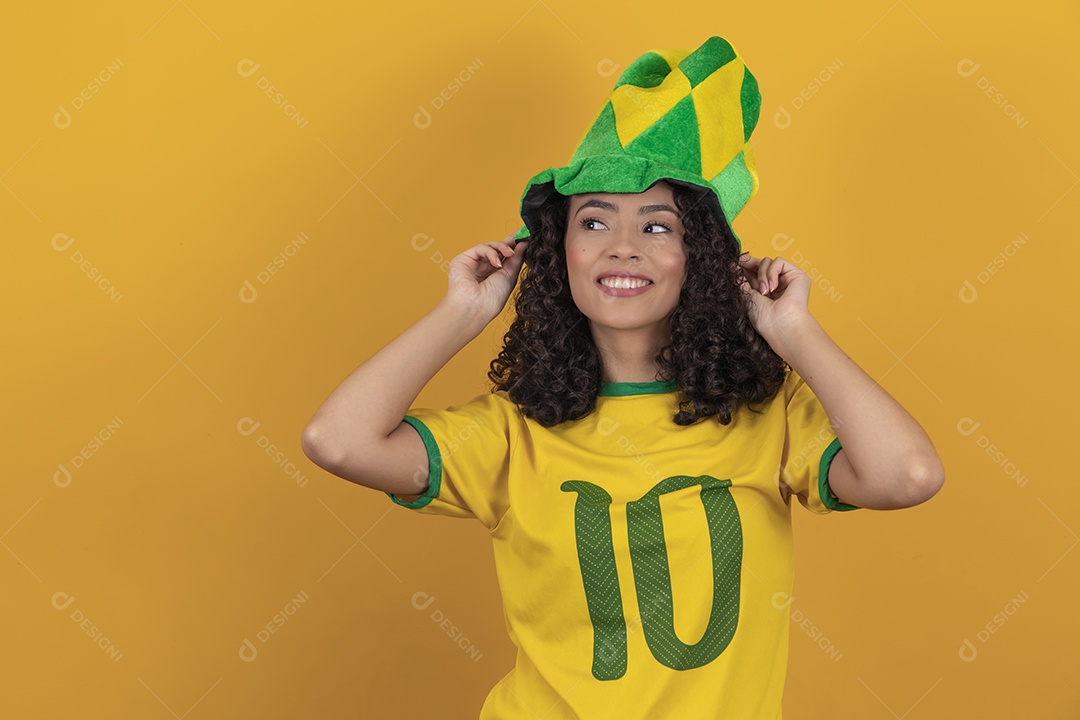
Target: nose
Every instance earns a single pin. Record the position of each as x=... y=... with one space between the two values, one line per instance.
x=625 y=243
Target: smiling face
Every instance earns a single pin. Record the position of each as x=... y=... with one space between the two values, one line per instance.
x=626 y=259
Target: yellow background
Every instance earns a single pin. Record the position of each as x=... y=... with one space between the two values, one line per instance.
x=885 y=166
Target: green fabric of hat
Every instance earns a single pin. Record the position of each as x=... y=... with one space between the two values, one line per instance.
x=680 y=115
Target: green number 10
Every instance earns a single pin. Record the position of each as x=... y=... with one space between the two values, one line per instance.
x=652 y=574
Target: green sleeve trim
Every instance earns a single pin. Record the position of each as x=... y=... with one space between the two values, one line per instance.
x=434 y=466
x=827 y=497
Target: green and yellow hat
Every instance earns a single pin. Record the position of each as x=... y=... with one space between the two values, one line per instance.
x=679 y=115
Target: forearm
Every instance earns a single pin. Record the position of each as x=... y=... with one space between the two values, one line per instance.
x=885 y=446
x=371 y=402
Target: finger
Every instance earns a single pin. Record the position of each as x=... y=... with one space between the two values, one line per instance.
x=748 y=261
x=763 y=275
x=518 y=251
x=749 y=264
x=778 y=271
x=514 y=251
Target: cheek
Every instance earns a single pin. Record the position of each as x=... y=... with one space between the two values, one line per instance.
x=577 y=260
x=675 y=265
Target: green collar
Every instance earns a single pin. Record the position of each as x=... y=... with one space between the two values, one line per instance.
x=638 y=388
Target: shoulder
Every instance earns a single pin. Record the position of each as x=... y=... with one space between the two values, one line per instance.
x=793 y=385
x=494 y=408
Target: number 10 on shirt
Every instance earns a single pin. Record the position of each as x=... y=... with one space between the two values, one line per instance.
x=652 y=573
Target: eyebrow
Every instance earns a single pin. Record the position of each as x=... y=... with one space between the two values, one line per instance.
x=612 y=207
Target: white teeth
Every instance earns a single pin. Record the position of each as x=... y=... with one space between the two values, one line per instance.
x=622 y=282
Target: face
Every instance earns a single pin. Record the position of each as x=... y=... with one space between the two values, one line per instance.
x=626 y=259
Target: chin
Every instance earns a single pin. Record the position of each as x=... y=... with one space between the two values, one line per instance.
x=623 y=322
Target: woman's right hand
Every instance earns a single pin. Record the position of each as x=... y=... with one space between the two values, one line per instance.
x=482 y=277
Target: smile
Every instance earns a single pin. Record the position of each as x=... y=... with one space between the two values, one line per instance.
x=614 y=281
x=623 y=287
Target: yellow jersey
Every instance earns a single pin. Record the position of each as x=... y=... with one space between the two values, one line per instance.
x=644 y=566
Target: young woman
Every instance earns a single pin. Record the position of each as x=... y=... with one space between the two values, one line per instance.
x=659 y=398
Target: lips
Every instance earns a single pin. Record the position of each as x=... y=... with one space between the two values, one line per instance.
x=620 y=280
x=623 y=284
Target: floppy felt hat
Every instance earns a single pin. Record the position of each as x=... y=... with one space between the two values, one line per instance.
x=684 y=116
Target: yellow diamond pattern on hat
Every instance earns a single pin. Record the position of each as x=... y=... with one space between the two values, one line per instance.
x=720 y=142
x=657 y=143
x=637 y=108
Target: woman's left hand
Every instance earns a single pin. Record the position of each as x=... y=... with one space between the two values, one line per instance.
x=779 y=296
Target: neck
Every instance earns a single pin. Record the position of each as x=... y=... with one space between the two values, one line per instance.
x=628 y=355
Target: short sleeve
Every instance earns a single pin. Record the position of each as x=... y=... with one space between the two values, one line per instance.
x=468 y=449
x=809 y=448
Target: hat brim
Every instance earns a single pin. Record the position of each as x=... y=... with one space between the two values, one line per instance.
x=608 y=174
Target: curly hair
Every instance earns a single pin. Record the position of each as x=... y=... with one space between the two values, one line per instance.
x=550 y=367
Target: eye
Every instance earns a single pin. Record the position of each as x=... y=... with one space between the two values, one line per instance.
x=586 y=223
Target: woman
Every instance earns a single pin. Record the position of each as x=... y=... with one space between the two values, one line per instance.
x=659 y=398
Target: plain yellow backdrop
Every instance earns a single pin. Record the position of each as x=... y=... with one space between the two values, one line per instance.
x=213 y=213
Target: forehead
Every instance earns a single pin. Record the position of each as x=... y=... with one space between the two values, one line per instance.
x=660 y=192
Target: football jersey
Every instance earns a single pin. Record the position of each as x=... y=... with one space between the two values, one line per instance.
x=645 y=567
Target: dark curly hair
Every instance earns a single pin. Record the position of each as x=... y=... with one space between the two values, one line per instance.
x=550 y=367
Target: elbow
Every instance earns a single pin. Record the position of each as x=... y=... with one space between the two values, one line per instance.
x=314 y=445
x=925 y=479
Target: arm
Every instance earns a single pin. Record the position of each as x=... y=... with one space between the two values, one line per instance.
x=887 y=460
x=358 y=432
